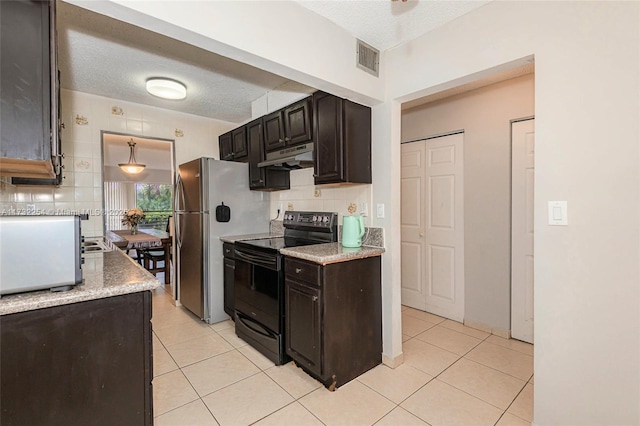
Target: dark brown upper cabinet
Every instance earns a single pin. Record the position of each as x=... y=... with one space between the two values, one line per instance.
x=297 y=122
x=262 y=178
x=29 y=146
x=239 y=138
x=342 y=136
x=273 y=131
x=226 y=146
x=288 y=126
x=233 y=145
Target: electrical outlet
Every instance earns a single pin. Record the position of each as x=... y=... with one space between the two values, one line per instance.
x=380 y=211
x=364 y=209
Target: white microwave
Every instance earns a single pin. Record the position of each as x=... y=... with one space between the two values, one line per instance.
x=39 y=252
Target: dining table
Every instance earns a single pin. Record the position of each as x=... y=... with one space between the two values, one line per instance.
x=145 y=239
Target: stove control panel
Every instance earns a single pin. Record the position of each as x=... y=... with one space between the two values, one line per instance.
x=312 y=219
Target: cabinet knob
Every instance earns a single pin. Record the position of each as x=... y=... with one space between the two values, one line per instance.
x=314 y=298
x=287 y=139
x=421 y=234
x=280 y=140
x=298 y=270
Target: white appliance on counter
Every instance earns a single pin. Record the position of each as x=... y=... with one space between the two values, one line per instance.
x=203 y=185
x=39 y=252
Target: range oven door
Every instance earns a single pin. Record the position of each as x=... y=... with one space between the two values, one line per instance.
x=258 y=284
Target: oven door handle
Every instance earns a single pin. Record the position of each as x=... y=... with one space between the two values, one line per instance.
x=265 y=262
x=248 y=322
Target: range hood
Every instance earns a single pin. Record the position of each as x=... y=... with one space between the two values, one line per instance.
x=295 y=157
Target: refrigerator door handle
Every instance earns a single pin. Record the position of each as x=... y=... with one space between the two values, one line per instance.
x=177 y=196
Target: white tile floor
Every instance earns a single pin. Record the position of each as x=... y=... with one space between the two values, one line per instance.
x=452 y=374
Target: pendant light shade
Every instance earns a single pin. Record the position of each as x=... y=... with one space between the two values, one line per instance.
x=132 y=167
x=166 y=88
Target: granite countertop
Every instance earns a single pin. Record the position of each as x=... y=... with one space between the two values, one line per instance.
x=235 y=238
x=325 y=254
x=105 y=274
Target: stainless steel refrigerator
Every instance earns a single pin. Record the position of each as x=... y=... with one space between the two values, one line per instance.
x=201 y=186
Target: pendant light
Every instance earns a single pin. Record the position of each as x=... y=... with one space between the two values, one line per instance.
x=132 y=167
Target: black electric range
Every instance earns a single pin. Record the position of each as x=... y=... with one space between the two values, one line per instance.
x=259 y=279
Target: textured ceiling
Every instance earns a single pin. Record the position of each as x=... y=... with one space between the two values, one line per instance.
x=384 y=24
x=107 y=57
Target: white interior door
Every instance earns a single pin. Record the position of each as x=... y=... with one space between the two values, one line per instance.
x=522 y=181
x=412 y=228
x=432 y=237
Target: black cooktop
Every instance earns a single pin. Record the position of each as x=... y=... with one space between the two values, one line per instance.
x=300 y=229
x=275 y=243
x=278 y=243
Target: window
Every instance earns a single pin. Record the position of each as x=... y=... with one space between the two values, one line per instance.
x=155 y=199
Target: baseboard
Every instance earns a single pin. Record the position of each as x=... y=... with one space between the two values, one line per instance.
x=392 y=362
x=500 y=332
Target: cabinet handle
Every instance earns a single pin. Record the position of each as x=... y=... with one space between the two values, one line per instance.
x=298 y=270
x=287 y=139
x=280 y=140
x=314 y=298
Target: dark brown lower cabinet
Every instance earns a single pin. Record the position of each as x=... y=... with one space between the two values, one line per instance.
x=228 y=279
x=333 y=316
x=87 y=363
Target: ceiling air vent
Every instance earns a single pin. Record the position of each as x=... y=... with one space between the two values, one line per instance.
x=367 y=58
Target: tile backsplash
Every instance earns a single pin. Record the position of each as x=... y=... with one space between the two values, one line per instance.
x=305 y=196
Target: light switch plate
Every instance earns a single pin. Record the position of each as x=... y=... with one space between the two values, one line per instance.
x=558 y=213
x=380 y=211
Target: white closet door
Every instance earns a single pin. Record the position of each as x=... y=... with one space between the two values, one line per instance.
x=433 y=226
x=522 y=185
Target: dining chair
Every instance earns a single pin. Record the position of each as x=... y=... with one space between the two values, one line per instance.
x=151 y=257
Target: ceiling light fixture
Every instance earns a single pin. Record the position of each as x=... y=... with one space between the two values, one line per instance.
x=166 y=89
x=132 y=167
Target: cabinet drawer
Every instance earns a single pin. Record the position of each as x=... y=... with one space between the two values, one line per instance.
x=303 y=271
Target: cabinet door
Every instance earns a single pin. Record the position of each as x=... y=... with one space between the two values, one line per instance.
x=273 y=131
x=297 y=122
x=329 y=149
x=255 y=142
x=303 y=325
x=229 y=299
x=26 y=82
x=239 y=138
x=226 y=147
x=87 y=363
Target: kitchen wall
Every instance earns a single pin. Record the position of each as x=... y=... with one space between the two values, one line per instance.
x=484 y=115
x=85 y=116
x=304 y=195
x=587 y=80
